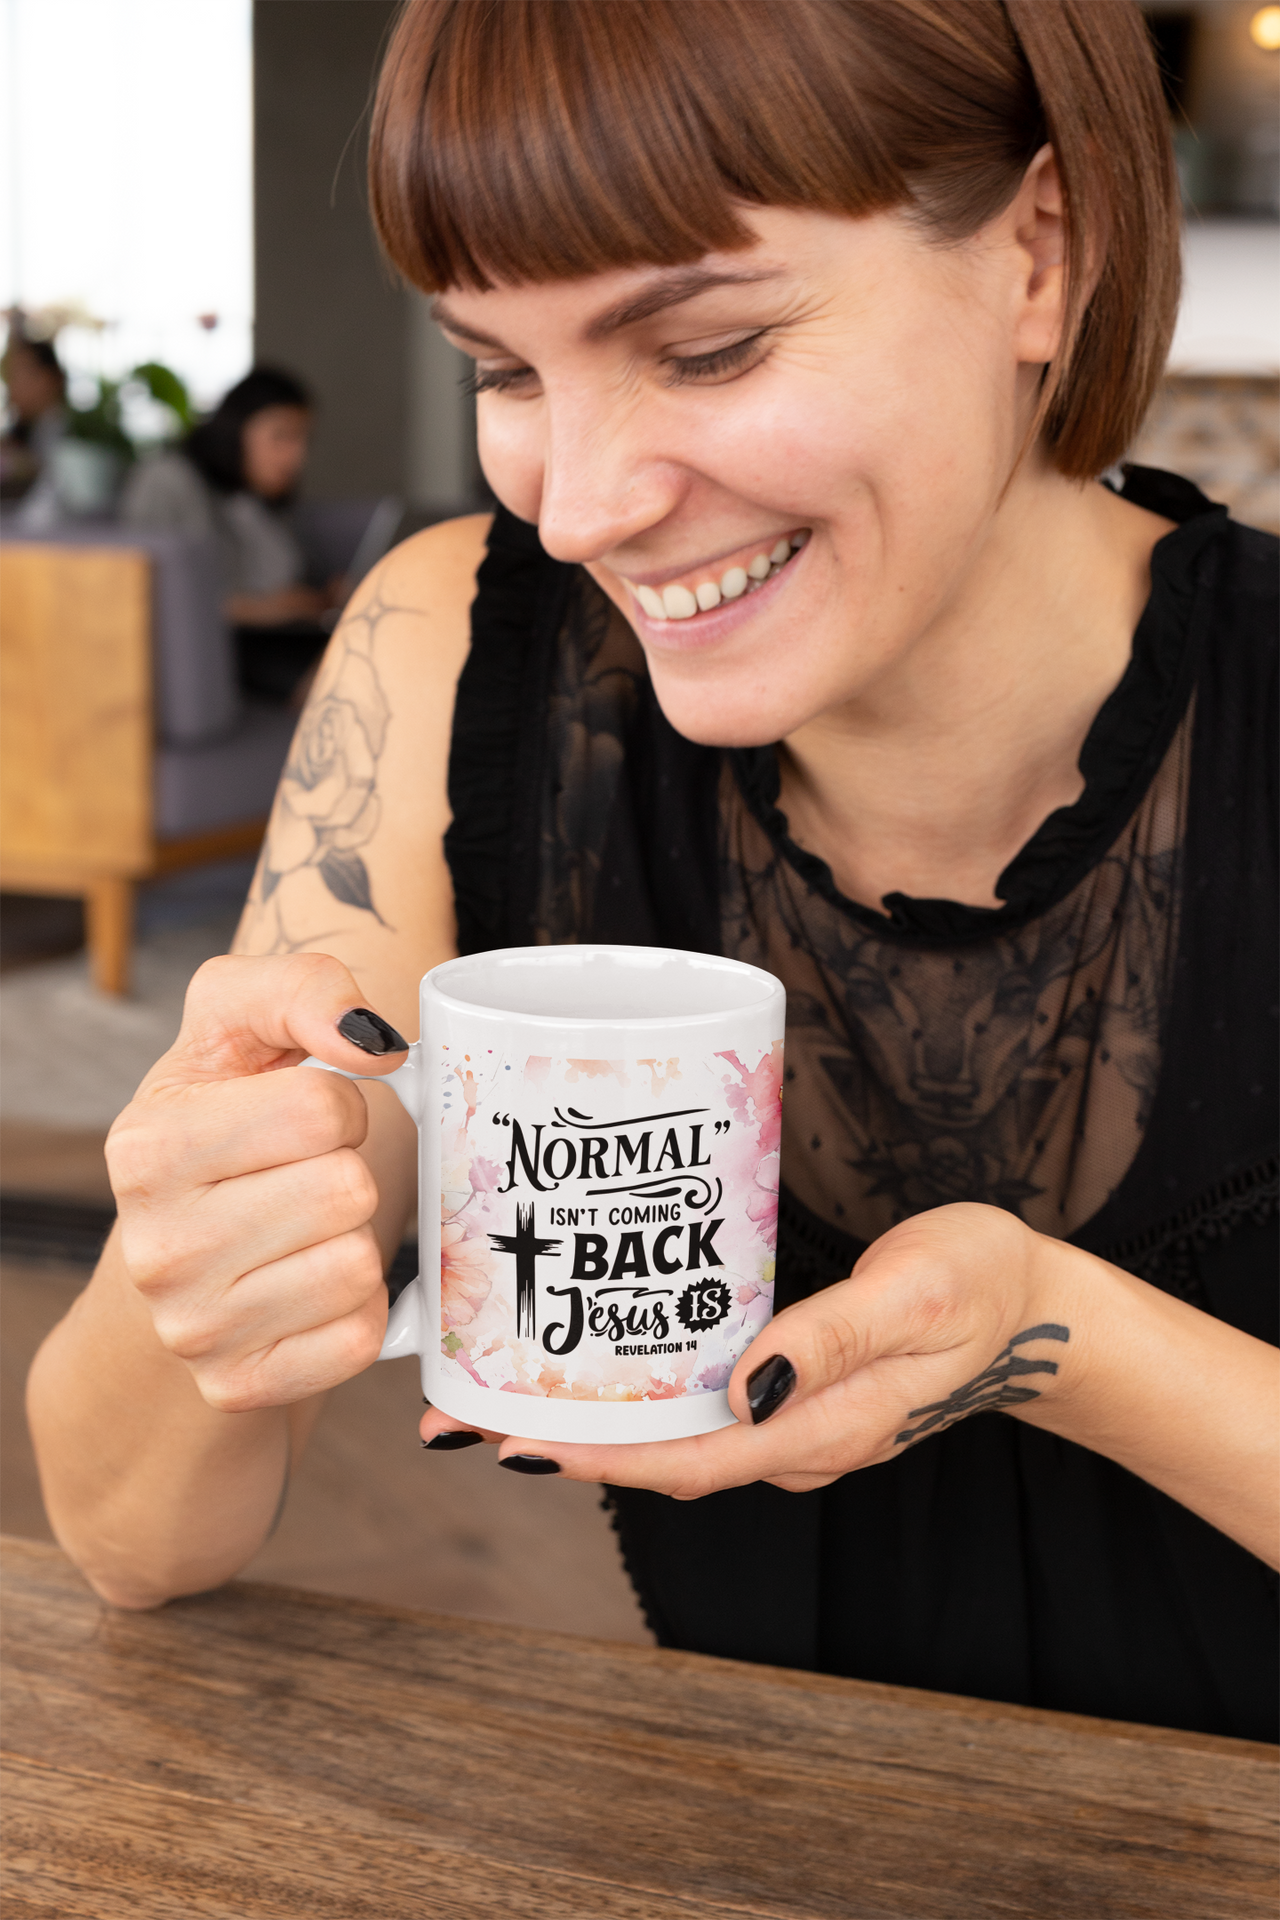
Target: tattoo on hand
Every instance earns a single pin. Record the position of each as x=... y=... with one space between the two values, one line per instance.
x=327 y=806
x=990 y=1388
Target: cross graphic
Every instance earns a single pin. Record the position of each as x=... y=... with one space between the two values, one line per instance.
x=526 y=1246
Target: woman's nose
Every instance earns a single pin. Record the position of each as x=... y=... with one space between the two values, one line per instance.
x=604 y=483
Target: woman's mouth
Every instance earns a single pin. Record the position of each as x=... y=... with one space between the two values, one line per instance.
x=703 y=589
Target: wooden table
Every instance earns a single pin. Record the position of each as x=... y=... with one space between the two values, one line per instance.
x=259 y=1752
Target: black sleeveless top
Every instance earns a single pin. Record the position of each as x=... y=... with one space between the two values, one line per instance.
x=1097 y=1054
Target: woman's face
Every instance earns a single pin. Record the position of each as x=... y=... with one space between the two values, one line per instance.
x=274 y=448
x=33 y=387
x=836 y=409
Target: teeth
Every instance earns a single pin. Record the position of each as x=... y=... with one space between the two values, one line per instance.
x=681 y=603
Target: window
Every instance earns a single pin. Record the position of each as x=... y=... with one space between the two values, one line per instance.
x=127 y=181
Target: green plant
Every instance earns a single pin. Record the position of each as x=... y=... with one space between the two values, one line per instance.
x=102 y=423
x=164 y=385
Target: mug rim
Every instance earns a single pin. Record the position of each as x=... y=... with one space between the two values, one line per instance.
x=771 y=988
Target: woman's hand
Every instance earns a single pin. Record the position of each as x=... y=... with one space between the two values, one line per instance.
x=944 y=1313
x=962 y=1310
x=244 y=1206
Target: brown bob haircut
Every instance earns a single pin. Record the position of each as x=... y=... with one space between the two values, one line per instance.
x=521 y=141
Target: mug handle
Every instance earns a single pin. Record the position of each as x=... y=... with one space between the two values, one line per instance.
x=405 y=1323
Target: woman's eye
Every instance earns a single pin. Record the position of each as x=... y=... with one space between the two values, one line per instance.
x=738 y=357
x=497 y=379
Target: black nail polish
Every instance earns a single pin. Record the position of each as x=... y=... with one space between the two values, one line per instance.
x=769 y=1386
x=451 y=1441
x=370 y=1032
x=529 y=1463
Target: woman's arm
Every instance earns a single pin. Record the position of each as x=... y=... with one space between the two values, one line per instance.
x=962 y=1310
x=150 y=1489
x=258 y=1206
x=1179 y=1398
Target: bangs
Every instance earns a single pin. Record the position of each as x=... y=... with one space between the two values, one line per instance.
x=521 y=140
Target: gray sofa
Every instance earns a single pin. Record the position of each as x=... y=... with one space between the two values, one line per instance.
x=130 y=751
x=218 y=754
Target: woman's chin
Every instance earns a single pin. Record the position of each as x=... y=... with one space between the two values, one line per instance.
x=712 y=715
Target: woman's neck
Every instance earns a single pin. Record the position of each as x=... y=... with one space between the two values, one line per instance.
x=933 y=779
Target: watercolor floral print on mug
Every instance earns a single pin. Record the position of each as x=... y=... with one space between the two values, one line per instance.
x=607 y=1227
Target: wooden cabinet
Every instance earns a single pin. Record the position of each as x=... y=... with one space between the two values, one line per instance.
x=77 y=737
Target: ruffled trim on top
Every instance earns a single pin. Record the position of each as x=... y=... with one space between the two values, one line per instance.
x=1120 y=756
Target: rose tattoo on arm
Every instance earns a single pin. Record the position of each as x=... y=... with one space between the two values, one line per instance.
x=327 y=804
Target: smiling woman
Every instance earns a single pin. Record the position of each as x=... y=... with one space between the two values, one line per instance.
x=808 y=631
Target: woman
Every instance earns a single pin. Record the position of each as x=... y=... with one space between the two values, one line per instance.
x=36 y=383
x=802 y=336
x=232 y=480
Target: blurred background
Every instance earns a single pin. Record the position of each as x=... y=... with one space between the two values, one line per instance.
x=182 y=201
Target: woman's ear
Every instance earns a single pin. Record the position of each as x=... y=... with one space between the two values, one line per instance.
x=1039 y=234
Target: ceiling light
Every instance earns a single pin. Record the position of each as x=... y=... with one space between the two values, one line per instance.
x=1264 y=28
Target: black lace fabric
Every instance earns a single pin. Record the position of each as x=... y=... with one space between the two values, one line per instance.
x=1098 y=1056
x=935 y=1052
x=597 y=671
x=1013 y=1064
x=1015 y=1067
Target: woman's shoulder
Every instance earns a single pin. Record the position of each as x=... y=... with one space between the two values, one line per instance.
x=436 y=568
x=1249 y=583
x=355 y=850
x=1240 y=655
x=417 y=603
x=1215 y=582
x=421 y=593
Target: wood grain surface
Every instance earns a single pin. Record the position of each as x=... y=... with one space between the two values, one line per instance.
x=259 y=1752
x=75 y=710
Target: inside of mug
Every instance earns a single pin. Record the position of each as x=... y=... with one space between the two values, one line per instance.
x=604 y=983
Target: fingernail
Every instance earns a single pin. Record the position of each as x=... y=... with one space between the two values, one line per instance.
x=529 y=1463
x=451 y=1441
x=769 y=1386
x=370 y=1032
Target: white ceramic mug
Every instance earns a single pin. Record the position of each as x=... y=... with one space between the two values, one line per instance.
x=598 y=1187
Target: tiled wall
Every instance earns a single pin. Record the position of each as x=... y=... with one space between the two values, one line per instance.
x=1223 y=432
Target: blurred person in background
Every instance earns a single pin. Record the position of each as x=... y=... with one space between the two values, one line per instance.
x=37 y=391
x=234 y=479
